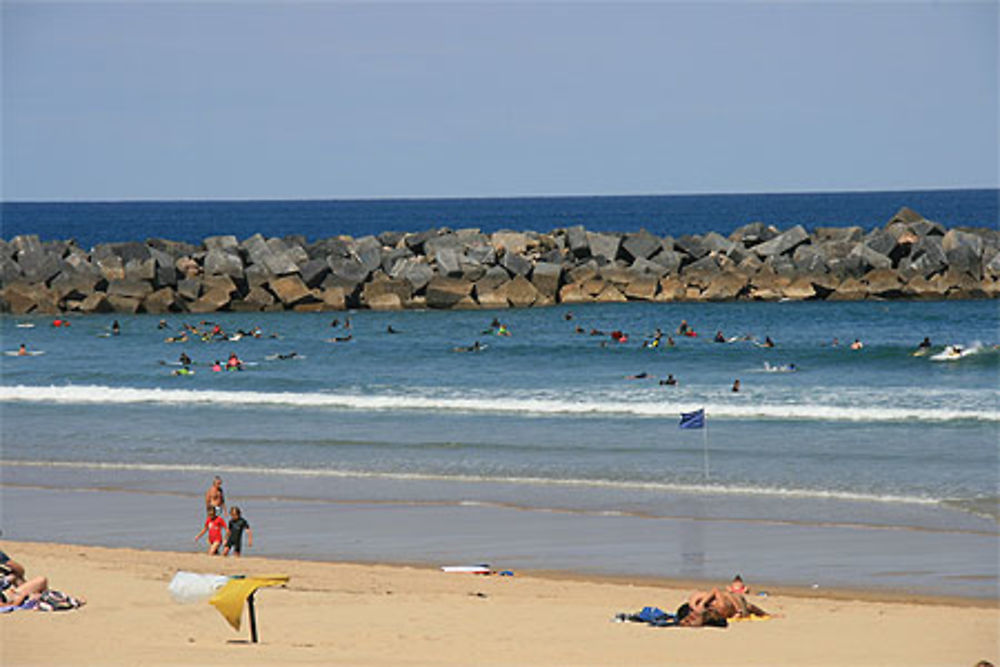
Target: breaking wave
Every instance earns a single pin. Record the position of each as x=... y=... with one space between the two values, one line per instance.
x=526 y=405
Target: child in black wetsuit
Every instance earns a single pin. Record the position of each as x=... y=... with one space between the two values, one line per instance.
x=237 y=524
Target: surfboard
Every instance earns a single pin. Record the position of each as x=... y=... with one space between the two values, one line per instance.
x=954 y=353
x=482 y=568
x=31 y=353
x=25 y=325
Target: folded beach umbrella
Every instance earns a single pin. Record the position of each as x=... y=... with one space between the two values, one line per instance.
x=229 y=599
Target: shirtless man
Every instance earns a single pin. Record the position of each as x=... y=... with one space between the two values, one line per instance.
x=706 y=606
x=214 y=498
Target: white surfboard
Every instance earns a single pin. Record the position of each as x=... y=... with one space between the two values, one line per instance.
x=466 y=569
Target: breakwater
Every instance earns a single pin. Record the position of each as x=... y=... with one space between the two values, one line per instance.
x=909 y=257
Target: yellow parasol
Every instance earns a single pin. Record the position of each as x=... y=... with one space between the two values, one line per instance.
x=229 y=599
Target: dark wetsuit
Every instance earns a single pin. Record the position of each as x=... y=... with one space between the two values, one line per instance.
x=235 y=538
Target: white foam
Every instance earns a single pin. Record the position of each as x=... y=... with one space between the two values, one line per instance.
x=852 y=410
x=633 y=485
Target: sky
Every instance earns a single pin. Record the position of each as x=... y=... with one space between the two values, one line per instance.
x=327 y=100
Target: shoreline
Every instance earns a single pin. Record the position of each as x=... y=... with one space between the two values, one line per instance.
x=347 y=613
x=885 y=561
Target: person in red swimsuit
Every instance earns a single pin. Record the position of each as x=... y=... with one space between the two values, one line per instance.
x=214 y=526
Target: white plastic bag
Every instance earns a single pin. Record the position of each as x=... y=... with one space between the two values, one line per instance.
x=187 y=587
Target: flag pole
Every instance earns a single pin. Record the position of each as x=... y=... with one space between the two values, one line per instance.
x=705 y=443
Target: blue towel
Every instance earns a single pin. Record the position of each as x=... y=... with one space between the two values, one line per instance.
x=651 y=614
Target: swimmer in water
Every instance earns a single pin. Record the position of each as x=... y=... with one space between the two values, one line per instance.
x=736 y=386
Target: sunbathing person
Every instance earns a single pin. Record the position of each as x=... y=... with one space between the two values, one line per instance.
x=15 y=594
x=714 y=608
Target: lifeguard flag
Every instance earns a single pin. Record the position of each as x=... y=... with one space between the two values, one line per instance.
x=694 y=419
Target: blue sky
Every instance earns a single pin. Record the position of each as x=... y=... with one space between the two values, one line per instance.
x=110 y=101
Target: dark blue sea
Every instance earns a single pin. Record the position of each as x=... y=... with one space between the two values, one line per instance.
x=98 y=222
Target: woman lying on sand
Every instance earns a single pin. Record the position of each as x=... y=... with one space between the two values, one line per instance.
x=15 y=590
x=714 y=607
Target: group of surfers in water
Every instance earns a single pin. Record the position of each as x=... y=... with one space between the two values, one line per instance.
x=208 y=332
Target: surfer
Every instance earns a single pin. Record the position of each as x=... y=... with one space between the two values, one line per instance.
x=475 y=347
x=340 y=339
x=719 y=338
x=22 y=351
x=217 y=367
x=683 y=328
x=568 y=316
x=162 y=324
x=390 y=330
x=736 y=386
x=115 y=328
x=637 y=376
x=768 y=342
x=924 y=344
x=234 y=363
x=184 y=359
x=290 y=355
x=857 y=345
x=669 y=381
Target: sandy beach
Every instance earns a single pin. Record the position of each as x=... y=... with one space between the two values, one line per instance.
x=338 y=613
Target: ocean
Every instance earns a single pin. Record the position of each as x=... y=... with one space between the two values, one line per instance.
x=100 y=222
x=543 y=450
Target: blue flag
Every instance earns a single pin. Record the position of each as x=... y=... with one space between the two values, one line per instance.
x=694 y=419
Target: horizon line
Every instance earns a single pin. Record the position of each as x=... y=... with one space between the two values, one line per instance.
x=277 y=198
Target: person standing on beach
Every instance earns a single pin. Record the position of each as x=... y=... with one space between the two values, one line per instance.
x=215 y=499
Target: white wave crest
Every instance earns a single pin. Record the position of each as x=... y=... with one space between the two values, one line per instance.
x=102 y=395
x=631 y=485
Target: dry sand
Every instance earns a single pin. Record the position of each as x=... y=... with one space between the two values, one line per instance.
x=333 y=613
